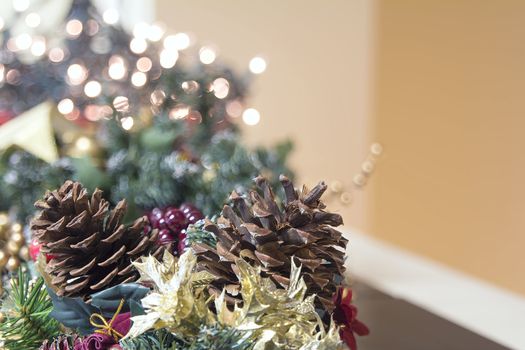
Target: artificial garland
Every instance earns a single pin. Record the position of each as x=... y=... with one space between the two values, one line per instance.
x=108 y=288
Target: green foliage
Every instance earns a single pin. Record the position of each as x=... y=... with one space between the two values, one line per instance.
x=231 y=166
x=197 y=234
x=27 y=310
x=26 y=177
x=153 y=340
x=209 y=338
x=220 y=338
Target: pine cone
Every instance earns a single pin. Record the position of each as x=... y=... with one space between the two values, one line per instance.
x=62 y=342
x=266 y=235
x=89 y=247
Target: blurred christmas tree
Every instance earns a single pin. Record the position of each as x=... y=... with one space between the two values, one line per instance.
x=145 y=116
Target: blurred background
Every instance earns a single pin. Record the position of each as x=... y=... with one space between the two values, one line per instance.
x=437 y=83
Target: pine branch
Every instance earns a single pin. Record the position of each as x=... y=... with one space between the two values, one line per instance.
x=220 y=337
x=154 y=340
x=28 y=322
x=197 y=234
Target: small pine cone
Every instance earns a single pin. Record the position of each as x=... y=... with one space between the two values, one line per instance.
x=61 y=342
x=266 y=235
x=90 y=248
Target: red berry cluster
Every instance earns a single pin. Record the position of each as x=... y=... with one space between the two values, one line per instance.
x=172 y=224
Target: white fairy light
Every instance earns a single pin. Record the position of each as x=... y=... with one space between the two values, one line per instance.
x=139 y=79
x=180 y=111
x=33 y=20
x=110 y=16
x=20 y=5
x=76 y=73
x=65 y=106
x=74 y=27
x=117 y=68
x=251 y=116
x=155 y=32
x=207 y=55
x=127 y=123
x=221 y=88
x=138 y=45
x=179 y=41
x=168 y=58
x=92 y=88
x=234 y=108
x=144 y=64
x=83 y=143
x=56 y=54
x=39 y=46
x=23 y=41
x=257 y=65
x=140 y=30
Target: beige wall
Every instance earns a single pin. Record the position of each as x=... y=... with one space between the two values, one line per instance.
x=450 y=109
x=316 y=87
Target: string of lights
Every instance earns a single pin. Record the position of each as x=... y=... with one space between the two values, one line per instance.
x=93 y=69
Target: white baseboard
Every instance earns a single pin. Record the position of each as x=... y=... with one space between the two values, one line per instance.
x=481 y=307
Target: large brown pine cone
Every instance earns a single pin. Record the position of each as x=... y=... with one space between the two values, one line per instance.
x=89 y=247
x=269 y=236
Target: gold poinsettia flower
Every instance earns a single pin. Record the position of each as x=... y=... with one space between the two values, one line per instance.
x=177 y=302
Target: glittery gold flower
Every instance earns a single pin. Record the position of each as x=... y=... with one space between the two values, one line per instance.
x=278 y=318
x=177 y=301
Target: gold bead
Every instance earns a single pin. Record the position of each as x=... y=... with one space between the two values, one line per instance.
x=16 y=228
x=24 y=253
x=367 y=167
x=3 y=258
x=12 y=248
x=18 y=238
x=376 y=149
x=336 y=186
x=12 y=263
x=346 y=198
x=359 y=180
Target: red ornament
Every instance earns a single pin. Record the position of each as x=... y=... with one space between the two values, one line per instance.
x=345 y=316
x=172 y=223
x=34 y=249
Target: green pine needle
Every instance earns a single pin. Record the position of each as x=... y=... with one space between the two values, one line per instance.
x=27 y=322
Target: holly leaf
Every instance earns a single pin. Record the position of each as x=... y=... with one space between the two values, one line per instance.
x=72 y=312
x=108 y=300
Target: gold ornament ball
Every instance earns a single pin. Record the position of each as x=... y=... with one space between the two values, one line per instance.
x=16 y=228
x=24 y=253
x=3 y=258
x=18 y=238
x=4 y=219
x=12 y=247
x=12 y=264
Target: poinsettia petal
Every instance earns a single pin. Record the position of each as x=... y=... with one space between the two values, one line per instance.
x=348 y=337
x=360 y=328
